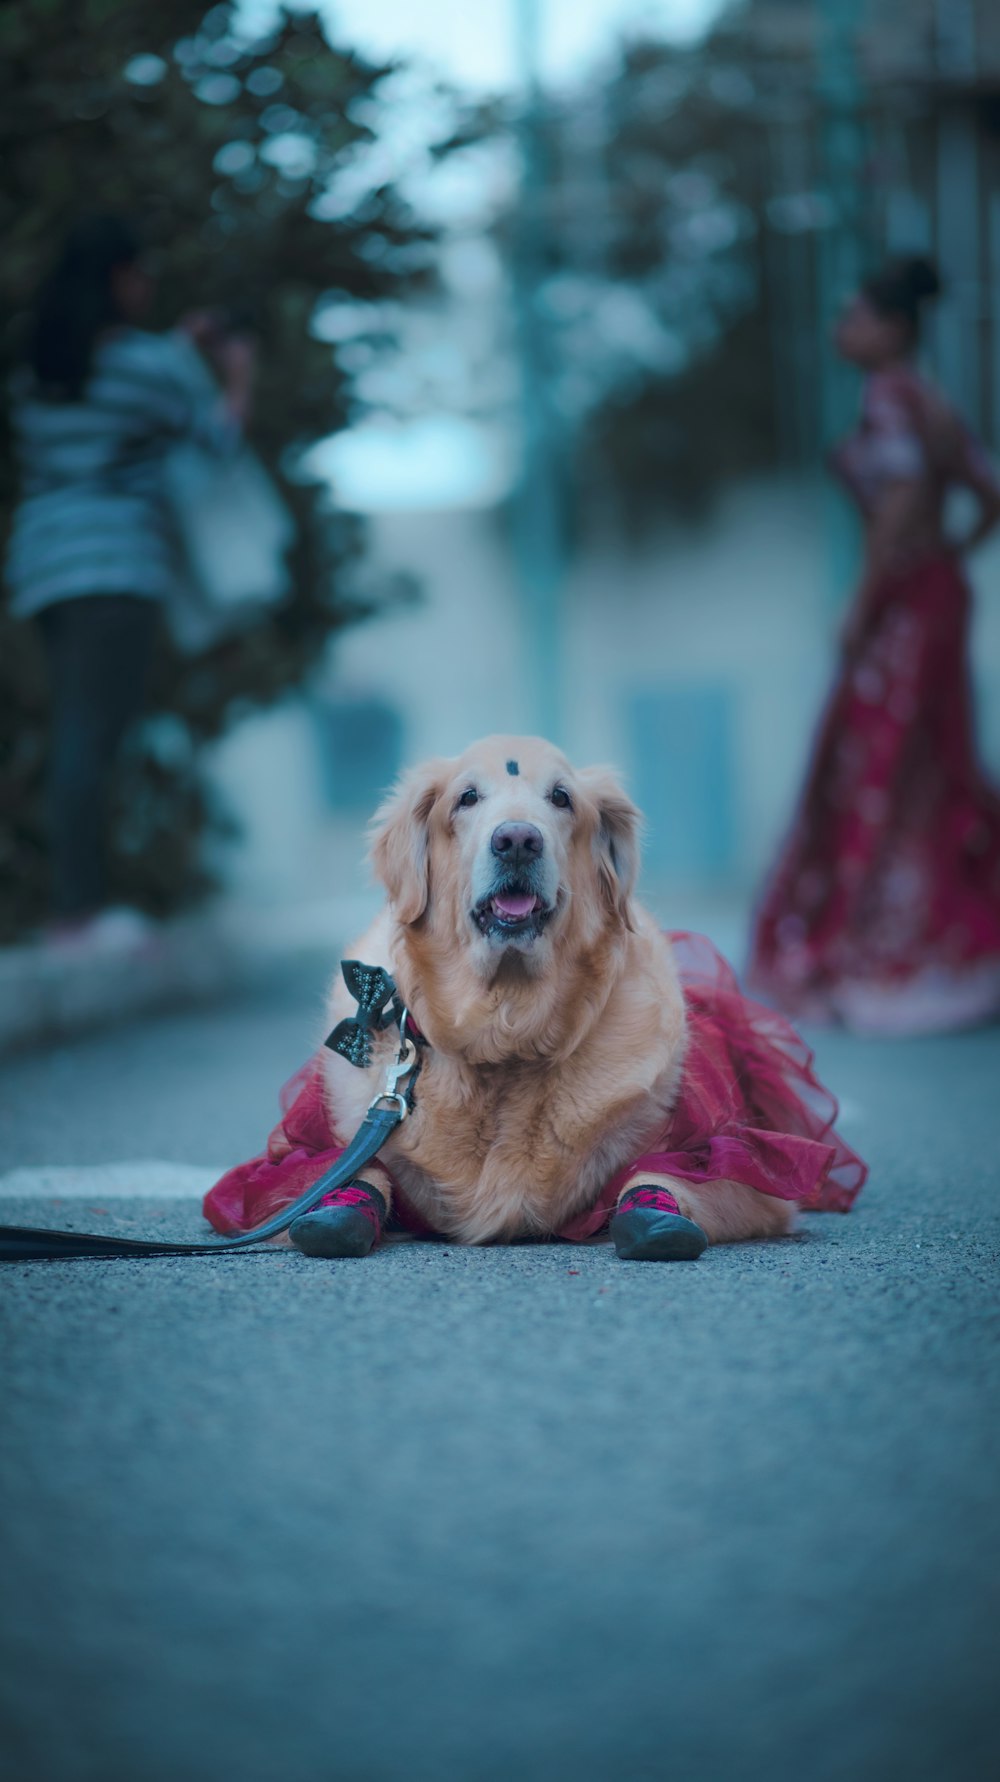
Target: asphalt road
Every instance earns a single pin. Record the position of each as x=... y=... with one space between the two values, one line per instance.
x=446 y=1516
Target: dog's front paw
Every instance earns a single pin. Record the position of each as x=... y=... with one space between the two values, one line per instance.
x=348 y=1222
x=650 y=1227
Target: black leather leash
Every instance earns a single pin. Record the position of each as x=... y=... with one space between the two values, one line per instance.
x=30 y=1243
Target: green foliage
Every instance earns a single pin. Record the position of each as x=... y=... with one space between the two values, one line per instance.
x=687 y=167
x=224 y=151
x=646 y=241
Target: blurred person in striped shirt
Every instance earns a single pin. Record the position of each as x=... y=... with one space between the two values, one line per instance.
x=98 y=404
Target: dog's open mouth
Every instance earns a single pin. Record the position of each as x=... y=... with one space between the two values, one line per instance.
x=513 y=911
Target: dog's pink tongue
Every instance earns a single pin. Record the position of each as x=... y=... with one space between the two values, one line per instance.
x=516 y=907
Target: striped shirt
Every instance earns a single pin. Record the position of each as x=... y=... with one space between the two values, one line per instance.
x=93 y=516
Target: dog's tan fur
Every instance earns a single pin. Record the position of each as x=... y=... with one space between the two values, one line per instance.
x=546 y=1068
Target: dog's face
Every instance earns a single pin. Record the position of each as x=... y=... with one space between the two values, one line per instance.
x=508 y=847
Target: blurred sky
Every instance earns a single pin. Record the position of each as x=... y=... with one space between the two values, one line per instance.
x=473 y=42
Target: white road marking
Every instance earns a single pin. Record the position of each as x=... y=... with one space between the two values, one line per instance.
x=851 y=1113
x=144 y=1180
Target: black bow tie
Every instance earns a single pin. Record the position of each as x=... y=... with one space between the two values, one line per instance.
x=379 y=1007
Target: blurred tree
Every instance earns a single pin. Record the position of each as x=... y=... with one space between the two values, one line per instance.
x=243 y=161
x=655 y=286
x=676 y=277
x=708 y=205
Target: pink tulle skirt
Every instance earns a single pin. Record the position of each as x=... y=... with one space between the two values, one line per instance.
x=751 y=1109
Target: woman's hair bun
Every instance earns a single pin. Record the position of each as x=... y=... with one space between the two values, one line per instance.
x=921 y=275
x=903 y=286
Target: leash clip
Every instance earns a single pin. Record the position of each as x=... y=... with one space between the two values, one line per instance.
x=402 y=1067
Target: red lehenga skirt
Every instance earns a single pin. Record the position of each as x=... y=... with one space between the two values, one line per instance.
x=750 y=1109
x=884 y=908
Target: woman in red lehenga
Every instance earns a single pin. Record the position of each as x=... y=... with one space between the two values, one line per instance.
x=884 y=909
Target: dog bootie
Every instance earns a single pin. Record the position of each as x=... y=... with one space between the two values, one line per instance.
x=650 y=1227
x=348 y=1222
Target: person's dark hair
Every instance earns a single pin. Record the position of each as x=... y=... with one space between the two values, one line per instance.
x=903 y=286
x=75 y=303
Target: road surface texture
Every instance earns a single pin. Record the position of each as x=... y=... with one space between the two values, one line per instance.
x=471 y=1516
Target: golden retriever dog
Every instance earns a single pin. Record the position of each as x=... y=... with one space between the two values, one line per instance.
x=549 y=1002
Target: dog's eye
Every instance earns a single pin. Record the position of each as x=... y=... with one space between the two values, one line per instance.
x=469 y=797
x=561 y=798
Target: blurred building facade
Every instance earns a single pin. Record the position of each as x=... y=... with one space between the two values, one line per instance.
x=919 y=80
x=694 y=655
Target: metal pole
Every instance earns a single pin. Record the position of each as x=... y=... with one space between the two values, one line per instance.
x=958 y=317
x=538 y=518
x=841 y=251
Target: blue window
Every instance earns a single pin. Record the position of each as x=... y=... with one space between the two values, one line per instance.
x=361 y=750
x=682 y=744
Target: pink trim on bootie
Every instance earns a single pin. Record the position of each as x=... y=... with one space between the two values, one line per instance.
x=659 y=1199
x=363 y=1199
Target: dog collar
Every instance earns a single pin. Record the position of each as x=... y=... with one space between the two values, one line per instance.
x=379 y=1006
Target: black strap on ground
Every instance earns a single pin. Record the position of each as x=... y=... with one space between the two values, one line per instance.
x=29 y=1243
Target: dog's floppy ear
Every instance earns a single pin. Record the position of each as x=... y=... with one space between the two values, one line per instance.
x=616 y=838
x=399 y=840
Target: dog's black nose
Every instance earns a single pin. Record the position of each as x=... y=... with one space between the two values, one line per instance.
x=514 y=843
